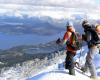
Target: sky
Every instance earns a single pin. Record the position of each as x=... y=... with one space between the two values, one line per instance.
x=44 y=7
x=98 y=1
x=65 y=3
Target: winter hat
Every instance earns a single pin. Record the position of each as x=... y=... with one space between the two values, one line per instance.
x=69 y=24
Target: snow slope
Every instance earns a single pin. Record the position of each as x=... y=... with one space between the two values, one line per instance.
x=57 y=71
x=53 y=72
x=60 y=74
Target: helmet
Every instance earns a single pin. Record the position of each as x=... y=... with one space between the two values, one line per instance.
x=69 y=24
x=85 y=23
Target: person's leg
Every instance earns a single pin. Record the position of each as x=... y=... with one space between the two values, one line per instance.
x=67 y=61
x=70 y=63
x=72 y=71
x=85 y=67
x=89 y=59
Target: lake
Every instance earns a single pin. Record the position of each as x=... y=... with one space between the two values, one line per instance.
x=11 y=40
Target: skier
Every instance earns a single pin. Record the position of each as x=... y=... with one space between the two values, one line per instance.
x=89 y=38
x=68 y=39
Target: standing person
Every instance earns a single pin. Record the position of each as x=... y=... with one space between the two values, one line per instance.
x=71 y=49
x=98 y=32
x=92 y=47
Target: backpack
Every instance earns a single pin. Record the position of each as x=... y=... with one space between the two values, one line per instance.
x=94 y=36
x=76 y=42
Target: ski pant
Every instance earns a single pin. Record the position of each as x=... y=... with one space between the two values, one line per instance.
x=69 y=62
x=89 y=60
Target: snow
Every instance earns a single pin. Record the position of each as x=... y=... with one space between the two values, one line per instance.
x=57 y=71
x=59 y=74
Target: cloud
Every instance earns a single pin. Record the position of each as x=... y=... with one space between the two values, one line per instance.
x=83 y=4
x=62 y=3
x=87 y=4
x=66 y=3
x=53 y=8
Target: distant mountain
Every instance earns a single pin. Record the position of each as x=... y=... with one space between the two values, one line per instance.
x=40 y=25
x=23 y=53
x=32 y=25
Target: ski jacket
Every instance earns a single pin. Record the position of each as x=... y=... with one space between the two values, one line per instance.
x=91 y=37
x=68 y=38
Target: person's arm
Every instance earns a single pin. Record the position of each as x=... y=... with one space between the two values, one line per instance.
x=66 y=37
x=88 y=36
x=89 y=42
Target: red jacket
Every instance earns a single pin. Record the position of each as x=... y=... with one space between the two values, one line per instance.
x=68 y=37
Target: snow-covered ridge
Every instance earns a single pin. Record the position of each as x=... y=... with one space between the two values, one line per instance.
x=29 y=68
x=44 y=69
x=57 y=71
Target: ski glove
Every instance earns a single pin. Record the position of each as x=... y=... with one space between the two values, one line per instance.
x=58 y=41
